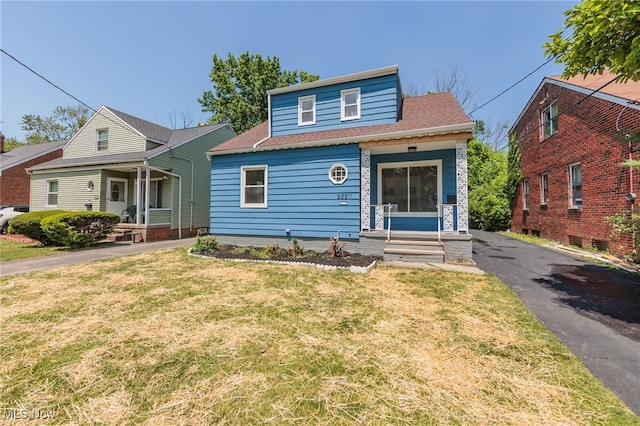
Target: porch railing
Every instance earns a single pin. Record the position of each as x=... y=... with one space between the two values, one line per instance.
x=445 y=217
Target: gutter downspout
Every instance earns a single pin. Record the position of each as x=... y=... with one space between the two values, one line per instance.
x=191 y=200
x=179 y=194
x=257 y=144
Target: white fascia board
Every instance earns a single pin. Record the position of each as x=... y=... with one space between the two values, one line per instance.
x=336 y=80
x=82 y=168
x=431 y=131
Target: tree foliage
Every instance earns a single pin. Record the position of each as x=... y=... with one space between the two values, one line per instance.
x=598 y=35
x=63 y=123
x=11 y=143
x=489 y=204
x=240 y=87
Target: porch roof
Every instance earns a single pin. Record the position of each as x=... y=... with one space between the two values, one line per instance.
x=432 y=114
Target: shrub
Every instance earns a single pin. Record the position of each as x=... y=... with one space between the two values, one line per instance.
x=29 y=225
x=79 y=229
x=336 y=248
x=206 y=244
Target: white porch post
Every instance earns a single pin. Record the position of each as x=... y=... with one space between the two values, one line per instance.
x=462 y=187
x=138 y=193
x=147 y=194
x=365 y=190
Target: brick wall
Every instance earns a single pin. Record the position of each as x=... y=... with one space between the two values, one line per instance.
x=587 y=134
x=15 y=182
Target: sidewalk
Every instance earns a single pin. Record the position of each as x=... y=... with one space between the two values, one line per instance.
x=99 y=252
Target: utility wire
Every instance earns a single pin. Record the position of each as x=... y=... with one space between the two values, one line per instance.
x=510 y=87
x=47 y=80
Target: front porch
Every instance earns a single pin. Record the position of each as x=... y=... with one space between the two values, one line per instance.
x=421 y=246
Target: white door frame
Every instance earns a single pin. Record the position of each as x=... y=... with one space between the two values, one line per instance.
x=116 y=207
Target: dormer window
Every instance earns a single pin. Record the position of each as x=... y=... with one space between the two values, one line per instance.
x=549 y=119
x=102 y=143
x=350 y=104
x=306 y=110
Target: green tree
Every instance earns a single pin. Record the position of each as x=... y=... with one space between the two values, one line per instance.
x=240 y=87
x=63 y=123
x=11 y=143
x=489 y=205
x=598 y=35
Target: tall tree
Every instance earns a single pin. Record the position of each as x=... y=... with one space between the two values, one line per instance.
x=240 y=87
x=598 y=35
x=11 y=143
x=63 y=123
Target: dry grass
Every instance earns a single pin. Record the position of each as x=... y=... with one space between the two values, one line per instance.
x=168 y=339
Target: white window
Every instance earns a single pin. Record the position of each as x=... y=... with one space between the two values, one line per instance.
x=253 y=192
x=155 y=192
x=549 y=120
x=575 y=184
x=350 y=104
x=102 y=140
x=525 y=194
x=338 y=173
x=307 y=110
x=415 y=187
x=52 y=193
x=544 y=189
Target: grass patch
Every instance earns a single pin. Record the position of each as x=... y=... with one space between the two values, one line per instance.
x=162 y=336
x=14 y=250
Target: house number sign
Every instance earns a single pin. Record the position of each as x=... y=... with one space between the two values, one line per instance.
x=345 y=196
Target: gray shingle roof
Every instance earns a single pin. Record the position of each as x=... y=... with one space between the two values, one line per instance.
x=28 y=152
x=151 y=131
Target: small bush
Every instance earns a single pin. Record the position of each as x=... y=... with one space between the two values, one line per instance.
x=79 y=229
x=206 y=244
x=296 y=250
x=29 y=225
x=336 y=248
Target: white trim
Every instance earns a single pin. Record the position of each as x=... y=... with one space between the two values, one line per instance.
x=571 y=203
x=437 y=163
x=552 y=129
x=431 y=131
x=393 y=69
x=98 y=131
x=343 y=104
x=262 y=205
x=301 y=100
x=544 y=177
x=331 y=177
x=526 y=194
x=47 y=193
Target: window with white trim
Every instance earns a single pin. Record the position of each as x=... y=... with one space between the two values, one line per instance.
x=549 y=120
x=253 y=186
x=350 y=104
x=338 y=173
x=415 y=187
x=102 y=140
x=525 y=194
x=544 y=189
x=575 y=185
x=306 y=110
x=155 y=192
x=52 y=193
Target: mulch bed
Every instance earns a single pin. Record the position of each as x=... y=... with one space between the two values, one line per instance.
x=349 y=259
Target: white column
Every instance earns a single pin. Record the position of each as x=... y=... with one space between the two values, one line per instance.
x=147 y=194
x=138 y=194
x=462 y=187
x=365 y=190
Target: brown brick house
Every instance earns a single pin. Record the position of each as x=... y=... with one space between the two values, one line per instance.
x=569 y=136
x=14 y=180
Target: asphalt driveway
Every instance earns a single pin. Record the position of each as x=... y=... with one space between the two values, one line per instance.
x=594 y=310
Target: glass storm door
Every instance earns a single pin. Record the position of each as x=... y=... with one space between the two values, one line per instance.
x=116 y=195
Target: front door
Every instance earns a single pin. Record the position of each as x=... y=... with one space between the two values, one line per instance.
x=116 y=195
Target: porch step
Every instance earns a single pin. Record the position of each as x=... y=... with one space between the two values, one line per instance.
x=414 y=251
x=125 y=233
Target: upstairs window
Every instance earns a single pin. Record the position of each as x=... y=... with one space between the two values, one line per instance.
x=575 y=184
x=253 y=186
x=549 y=120
x=525 y=194
x=544 y=189
x=307 y=110
x=102 y=140
x=350 y=104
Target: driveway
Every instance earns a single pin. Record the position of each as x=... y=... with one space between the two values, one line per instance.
x=594 y=310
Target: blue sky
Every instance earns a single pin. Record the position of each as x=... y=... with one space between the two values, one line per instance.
x=151 y=59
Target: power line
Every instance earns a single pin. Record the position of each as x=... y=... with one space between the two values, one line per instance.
x=510 y=87
x=47 y=80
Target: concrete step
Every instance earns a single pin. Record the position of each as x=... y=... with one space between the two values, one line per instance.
x=416 y=242
x=427 y=251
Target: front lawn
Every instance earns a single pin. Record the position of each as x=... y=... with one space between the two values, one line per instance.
x=166 y=338
x=14 y=250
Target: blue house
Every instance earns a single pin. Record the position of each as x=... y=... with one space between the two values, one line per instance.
x=349 y=155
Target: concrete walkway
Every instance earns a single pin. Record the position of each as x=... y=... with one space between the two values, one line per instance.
x=100 y=252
